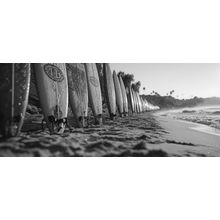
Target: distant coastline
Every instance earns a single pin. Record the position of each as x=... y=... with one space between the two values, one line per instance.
x=169 y=102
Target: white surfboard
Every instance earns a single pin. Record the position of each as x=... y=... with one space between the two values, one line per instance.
x=137 y=102
x=124 y=95
x=137 y=105
x=52 y=87
x=142 y=104
x=131 y=99
x=134 y=98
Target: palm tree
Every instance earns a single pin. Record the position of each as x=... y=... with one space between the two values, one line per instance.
x=136 y=86
x=171 y=92
x=127 y=78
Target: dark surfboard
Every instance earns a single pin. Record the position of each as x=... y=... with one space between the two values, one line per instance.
x=118 y=93
x=94 y=90
x=109 y=91
x=14 y=90
x=131 y=100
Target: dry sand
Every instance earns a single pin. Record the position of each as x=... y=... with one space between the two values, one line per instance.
x=140 y=135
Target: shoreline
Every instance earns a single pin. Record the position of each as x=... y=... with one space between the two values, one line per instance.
x=202 y=127
x=190 y=132
x=201 y=119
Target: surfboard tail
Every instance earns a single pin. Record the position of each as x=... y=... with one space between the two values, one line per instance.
x=98 y=119
x=56 y=126
x=82 y=122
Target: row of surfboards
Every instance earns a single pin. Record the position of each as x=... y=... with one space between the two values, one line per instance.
x=59 y=84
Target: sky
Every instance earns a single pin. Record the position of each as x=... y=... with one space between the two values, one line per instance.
x=187 y=80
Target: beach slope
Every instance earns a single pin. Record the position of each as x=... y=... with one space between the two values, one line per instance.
x=140 y=135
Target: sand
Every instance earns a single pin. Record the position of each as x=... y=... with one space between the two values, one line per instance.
x=187 y=139
x=140 y=135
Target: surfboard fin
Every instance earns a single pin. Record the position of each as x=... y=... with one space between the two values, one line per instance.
x=56 y=125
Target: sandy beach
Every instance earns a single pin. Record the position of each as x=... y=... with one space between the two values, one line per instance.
x=141 y=135
x=188 y=139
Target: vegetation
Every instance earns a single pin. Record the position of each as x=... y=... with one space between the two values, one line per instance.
x=136 y=86
x=169 y=102
x=127 y=78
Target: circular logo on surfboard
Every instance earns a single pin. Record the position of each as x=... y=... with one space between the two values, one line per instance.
x=53 y=72
x=93 y=81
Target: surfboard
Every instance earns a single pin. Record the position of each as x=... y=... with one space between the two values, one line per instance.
x=100 y=69
x=139 y=102
x=130 y=99
x=52 y=86
x=94 y=90
x=124 y=95
x=142 y=104
x=146 y=105
x=14 y=90
x=78 y=91
x=134 y=99
x=109 y=91
x=136 y=102
x=118 y=93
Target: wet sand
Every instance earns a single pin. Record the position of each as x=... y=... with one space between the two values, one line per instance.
x=139 y=135
x=187 y=138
